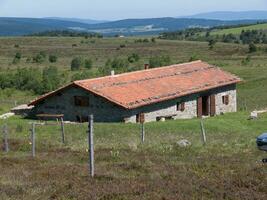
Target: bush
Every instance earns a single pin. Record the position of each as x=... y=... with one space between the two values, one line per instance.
x=16 y=46
x=212 y=43
x=52 y=58
x=246 y=60
x=252 y=48
x=18 y=55
x=193 y=58
x=39 y=58
x=159 y=61
x=76 y=63
x=17 y=58
x=133 y=58
x=88 y=63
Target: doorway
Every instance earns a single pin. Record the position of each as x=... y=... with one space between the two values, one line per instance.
x=206 y=106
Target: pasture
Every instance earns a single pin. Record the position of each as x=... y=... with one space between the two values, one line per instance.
x=237 y=31
x=228 y=167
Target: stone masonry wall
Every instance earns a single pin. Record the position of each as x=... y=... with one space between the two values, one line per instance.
x=105 y=111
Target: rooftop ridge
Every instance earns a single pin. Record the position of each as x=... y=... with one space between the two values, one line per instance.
x=151 y=78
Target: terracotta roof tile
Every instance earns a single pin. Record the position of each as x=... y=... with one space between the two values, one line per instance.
x=136 y=89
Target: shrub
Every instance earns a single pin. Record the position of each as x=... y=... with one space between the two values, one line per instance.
x=193 y=58
x=18 y=55
x=252 y=48
x=159 y=61
x=39 y=58
x=246 y=60
x=133 y=58
x=16 y=46
x=153 y=40
x=88 y=63
x=76 y=63
x=17 y=58
x=52 y=58
x=212 y=43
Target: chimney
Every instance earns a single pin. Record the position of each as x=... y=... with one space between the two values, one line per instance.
x=146 y=66
x=112 y=73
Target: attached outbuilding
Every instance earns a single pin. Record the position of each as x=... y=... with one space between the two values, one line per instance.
x=180 y=91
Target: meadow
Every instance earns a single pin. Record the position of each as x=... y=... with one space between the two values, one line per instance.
x=227 y=167
x=237 y=31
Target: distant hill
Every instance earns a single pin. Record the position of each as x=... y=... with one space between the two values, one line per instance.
x=85 y=21
x=158 y=25
x=25 y=26
x=226 y=15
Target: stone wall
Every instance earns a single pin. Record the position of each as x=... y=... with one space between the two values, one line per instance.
x=105 y=111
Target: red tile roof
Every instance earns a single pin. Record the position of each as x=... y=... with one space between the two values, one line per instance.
x=141 y=88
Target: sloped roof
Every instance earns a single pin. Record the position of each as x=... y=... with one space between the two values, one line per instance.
x=141 y=88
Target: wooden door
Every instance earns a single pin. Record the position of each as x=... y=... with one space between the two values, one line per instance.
x=199 y=107
x=212 y=105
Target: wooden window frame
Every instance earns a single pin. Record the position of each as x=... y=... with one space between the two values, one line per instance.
x=180 y=106
x=81 y=101
x=226 y=100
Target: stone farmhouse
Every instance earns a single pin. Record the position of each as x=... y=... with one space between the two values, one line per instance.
x=180 y=91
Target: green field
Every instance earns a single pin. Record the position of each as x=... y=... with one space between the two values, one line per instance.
x=238 y=30
x=228 y=167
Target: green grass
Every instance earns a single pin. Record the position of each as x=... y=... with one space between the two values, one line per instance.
x=227 y=167
x=237 y=31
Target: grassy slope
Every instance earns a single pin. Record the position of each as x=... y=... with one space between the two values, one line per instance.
x=227 y=168
x=228 y=56
x=239 y=30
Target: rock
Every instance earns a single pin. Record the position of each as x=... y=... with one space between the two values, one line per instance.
x=183 y=143
x=253 y=115
x=6 y=115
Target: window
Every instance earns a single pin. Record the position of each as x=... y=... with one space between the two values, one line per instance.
x=180 y=106
x=81 y=101
x=225 y=99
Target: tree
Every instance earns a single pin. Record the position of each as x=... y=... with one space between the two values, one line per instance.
x=76 y=63
x=252 y=48
x=50 y=79
x=52 y=58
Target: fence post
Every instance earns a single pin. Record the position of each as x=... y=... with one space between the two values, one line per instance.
x=62 y=130
x=143 y=132
x=91 y=145
x=33 y=139
x=5 y=133
x=204 y=139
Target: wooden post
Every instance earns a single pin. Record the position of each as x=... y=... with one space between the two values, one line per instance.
x=5 y=132
x=62 y=130
x=33 y=139
x=203 y=132
x=91 y=145
x=143 y=132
